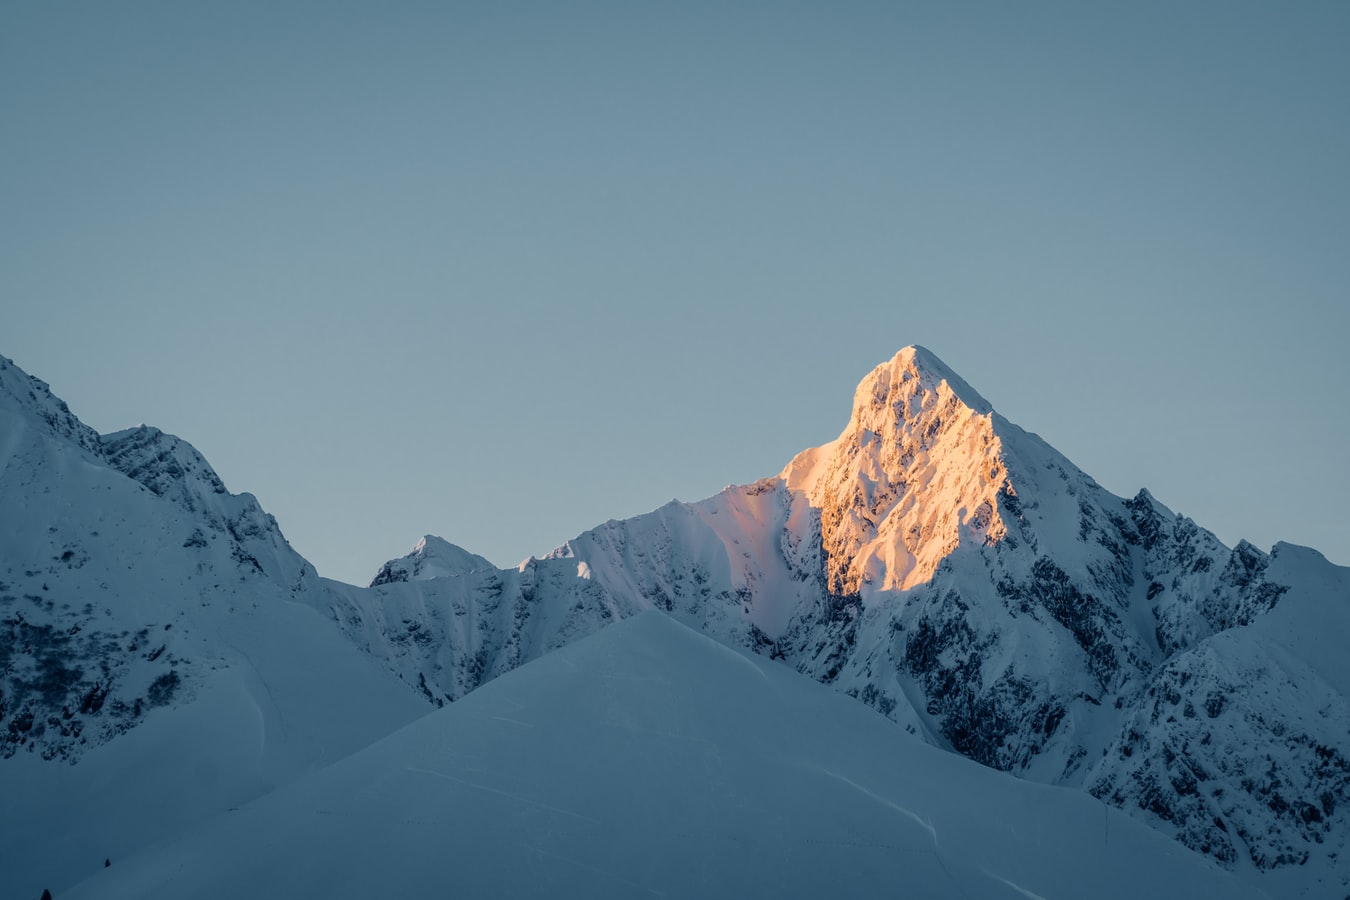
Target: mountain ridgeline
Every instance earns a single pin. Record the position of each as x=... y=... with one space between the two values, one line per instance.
x=936 y=562
x=964 y=579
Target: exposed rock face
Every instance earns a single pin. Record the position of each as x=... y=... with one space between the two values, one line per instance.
x=171 y=468
x=1236 y=772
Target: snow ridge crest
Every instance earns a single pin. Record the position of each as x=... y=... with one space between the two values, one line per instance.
x=34 y=397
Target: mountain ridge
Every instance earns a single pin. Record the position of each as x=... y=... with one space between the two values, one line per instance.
x=962 y=577
x=935 y=561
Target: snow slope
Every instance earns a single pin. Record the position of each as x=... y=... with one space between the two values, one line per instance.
x=649 y=760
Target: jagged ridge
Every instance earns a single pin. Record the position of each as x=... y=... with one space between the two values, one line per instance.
x=965 y=579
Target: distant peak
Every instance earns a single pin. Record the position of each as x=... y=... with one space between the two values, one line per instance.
x=431 y=543
x=432 y=557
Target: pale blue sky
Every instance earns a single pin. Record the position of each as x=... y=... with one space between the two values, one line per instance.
x=501 y=271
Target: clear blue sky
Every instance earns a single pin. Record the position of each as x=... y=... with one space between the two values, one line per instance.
x=501 y=271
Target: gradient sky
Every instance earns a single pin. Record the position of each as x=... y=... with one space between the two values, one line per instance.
x=501 y=271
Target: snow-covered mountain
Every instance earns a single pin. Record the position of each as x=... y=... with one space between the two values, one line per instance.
x=649 y=760
x=157 y=663
x=934 y=561
x=433 y=557
x=963 y=578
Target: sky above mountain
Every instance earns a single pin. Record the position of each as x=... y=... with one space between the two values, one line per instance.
x=499 y=272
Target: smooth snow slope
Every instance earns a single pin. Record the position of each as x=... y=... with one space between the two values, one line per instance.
x=651 y=761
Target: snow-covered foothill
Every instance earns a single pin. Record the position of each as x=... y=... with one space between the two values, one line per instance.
x=649 y=760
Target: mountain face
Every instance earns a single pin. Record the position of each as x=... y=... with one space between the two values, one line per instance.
x=935 y=562
x=963 y=578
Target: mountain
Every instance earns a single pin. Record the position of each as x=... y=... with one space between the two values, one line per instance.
x=158 y=661
x=964 y=579
x=649 y=760
x=167 y=657
x=433 y=557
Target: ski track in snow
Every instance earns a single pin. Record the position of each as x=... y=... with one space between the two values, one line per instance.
x=1016 y=887
x=508 y=794
x=512 y=721
x=724 y=649
x=909 y=813
x=590 y=868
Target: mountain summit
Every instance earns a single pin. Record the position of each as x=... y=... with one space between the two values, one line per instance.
x=920 y=460
x=432 y=557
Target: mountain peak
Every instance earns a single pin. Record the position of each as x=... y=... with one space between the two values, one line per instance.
x=918 y=465
x=431 y=557
x=162 y=462
x=919 y=362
